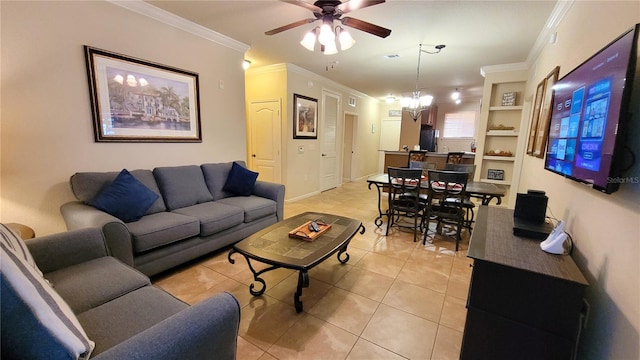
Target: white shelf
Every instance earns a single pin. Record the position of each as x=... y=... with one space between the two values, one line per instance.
x=502 y=133
x=499 y=158
x=505 y=108
x=499 y=182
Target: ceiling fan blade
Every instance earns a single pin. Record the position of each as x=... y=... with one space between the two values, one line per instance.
x=304 y=4
x=347 y=6
x=365 y=26
x=290 y=26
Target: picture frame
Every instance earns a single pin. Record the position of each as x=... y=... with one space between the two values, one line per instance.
x=134 y=100
x=305 y=117
x=352 y=101
x=535 y=116
x=542 y=128
x=395 y=113
x=495 y=174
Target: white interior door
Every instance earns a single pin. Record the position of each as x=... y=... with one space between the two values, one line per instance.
x=328 y=144
x=264 y=117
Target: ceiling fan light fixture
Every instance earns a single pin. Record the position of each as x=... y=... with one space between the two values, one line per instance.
x=326 y=35
x=309 y=40
x=330 y=48
x=346 y=41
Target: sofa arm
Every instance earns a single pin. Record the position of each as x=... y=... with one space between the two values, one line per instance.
x=78 y=215
x=207 y=330
x=271 y=191
x=58 y=251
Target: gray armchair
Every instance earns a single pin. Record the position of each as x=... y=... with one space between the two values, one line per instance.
x=117 y=307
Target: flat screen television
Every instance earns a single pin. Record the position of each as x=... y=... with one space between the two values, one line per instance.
x=590 y=110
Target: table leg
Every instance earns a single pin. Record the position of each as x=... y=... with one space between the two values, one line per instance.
x=256 y=274
x=303 y=281
x=378 y=221
x=486 y=199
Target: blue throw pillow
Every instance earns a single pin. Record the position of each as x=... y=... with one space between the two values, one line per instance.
x=125 y=198
x=240 y=180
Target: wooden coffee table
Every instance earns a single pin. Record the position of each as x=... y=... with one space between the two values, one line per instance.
x=273 y=246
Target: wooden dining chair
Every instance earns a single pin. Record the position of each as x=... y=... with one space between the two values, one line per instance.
x=404 y=200
x=447 y=192
x=454 y=157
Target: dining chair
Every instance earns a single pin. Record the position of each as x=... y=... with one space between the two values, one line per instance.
x=447 y=191
x=467 y=204
x=404 y=199
x=418 y=160
x=454 y=157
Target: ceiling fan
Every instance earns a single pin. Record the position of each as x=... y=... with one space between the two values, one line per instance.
x=329 y=10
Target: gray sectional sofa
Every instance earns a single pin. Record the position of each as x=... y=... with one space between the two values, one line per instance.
x=194 y=213
x=63 y=297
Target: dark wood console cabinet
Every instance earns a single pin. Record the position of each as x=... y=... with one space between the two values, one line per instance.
x=523 y=303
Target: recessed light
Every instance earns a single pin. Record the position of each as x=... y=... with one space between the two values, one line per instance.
x=391 y=56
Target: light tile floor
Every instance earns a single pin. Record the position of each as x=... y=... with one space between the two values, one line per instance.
x=393 y=299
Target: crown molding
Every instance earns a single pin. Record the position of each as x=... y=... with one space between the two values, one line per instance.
x=313 y=76
x=168 y=18
x=550 y=27
x=557 y=14
x=503 y=68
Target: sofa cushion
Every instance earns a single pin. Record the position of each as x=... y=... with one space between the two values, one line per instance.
x=214 y=216
x=254 y=207
x=215 y=176
x=95 y=282
x=182 y=186
x=125 y=198
x=240 y=181
x=128 y=315
x=161 y=229
x=42 y=324
x=87 y=185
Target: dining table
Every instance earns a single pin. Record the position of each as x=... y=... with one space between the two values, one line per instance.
x=476 y=189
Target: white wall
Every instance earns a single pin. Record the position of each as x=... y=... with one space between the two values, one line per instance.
x=46 y=123
x=605 y=228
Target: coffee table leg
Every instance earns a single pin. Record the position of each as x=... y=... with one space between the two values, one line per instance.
x=303 y=281
x=256 y=274
x=343 y=249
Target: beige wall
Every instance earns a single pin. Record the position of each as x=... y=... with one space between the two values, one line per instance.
x=46 y=123
x=301 y=171
x=605 y=228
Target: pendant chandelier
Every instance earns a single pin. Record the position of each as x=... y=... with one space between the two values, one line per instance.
x=415 y=104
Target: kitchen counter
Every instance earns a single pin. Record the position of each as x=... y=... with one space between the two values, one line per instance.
x=401 y=158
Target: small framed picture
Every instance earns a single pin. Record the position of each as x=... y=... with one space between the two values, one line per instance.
x=495 y=174
x=395 y=113
x=509 y=98
x=352 y=101
x=305 y=117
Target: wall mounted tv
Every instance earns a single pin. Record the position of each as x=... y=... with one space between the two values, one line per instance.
x=589 y=113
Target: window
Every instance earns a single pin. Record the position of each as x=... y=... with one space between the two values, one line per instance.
x=459 y=125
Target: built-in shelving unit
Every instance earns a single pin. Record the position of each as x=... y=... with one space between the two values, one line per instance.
x=502 y=129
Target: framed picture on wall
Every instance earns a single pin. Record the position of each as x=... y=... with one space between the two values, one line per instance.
x=134 y=100
x=542 y=130
x=305 y=117
x=535 y=116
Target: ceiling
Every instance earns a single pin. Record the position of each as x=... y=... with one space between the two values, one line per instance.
x=476 y=34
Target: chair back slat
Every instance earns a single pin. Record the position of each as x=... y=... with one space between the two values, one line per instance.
x=467 y=168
